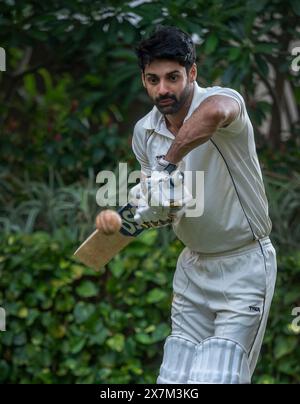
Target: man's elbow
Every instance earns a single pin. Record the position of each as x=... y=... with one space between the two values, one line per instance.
x=217 y=115
x=221 y=112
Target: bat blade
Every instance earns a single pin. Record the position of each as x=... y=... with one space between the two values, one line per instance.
x=98 y=249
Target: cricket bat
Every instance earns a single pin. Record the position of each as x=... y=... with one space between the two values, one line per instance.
x=98 y=249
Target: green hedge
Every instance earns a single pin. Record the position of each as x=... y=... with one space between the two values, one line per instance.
x=69 y=324
x=280 y=359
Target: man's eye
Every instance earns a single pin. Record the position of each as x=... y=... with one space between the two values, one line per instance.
x=173 y=78
x=153 y=80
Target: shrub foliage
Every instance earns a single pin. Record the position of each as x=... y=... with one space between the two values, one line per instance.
x=69 y=324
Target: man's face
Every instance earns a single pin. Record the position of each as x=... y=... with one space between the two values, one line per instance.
x=168 y=85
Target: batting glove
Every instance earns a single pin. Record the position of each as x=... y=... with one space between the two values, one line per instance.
x=164 y=194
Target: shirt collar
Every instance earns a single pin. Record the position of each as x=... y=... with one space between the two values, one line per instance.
x=155 y=119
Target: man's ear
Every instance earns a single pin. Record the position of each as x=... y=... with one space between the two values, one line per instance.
x=193 y=73
x=143 y=79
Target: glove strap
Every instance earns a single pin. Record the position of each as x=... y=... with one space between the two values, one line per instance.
x=164 y=165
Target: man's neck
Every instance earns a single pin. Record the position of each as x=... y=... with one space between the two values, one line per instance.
x=175 y=121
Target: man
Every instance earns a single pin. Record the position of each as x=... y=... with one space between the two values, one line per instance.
x=225 y=276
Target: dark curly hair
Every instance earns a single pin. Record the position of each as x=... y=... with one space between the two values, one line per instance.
x=167 y=43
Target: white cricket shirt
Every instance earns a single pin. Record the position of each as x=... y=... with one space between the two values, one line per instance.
x=235 y=204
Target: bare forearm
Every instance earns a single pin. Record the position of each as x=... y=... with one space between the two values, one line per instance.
x=193 y=133
x=200 y=127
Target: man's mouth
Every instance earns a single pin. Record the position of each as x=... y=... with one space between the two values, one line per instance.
x=167 y=101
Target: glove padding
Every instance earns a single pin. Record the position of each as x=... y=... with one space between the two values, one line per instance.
x=163 y=198
x=148 y=217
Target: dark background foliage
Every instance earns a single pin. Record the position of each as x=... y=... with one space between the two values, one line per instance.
x=69 y=98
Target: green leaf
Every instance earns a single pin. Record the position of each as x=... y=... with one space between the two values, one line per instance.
x=23 y=312
x=265 y=48
x=83 y=311
x=149 y=237
x=77 y=344
x=211 y=44
x=266 y=379
x=156 y=295
x=262 y=65
x=57 y=331
x=87 y=289
x=160 y=333
x=30 y=85
x=143 y=338
x=284 y=346
x=116 y=342
x=99 y=337
x=234 y=54
x=117 y=267
x=287 y=367
x=291 y=297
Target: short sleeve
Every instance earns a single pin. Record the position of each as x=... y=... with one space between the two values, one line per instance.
x=139 y=149
x=239 y=123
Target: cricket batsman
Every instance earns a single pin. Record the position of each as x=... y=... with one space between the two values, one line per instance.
x=225 y=276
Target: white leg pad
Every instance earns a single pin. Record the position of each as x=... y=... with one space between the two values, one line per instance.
x=177 y=361
x=220 y=361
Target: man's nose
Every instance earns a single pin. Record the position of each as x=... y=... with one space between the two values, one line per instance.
x=162 y=88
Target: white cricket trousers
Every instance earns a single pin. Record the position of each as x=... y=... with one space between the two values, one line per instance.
x=227 y=296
